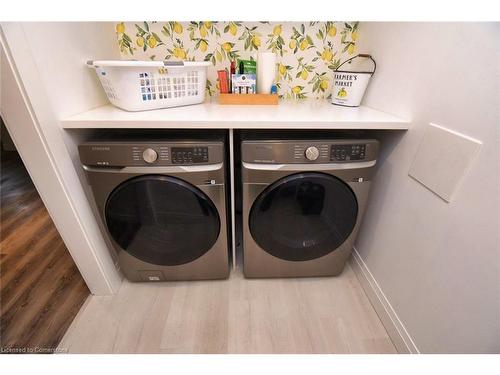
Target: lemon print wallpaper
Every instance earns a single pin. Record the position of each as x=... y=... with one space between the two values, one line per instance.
x=307 y=53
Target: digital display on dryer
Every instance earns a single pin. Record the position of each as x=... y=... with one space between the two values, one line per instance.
x=347 y=152
x=189 y=155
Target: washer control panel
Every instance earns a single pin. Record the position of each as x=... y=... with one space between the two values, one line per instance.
x=151 y=154
x=189 y=155
x=306 y=152
x=312 y=153
x=348 y=152
x=121 y=154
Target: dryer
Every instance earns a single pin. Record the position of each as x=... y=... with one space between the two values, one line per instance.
x=303 y=201
x=163 y=206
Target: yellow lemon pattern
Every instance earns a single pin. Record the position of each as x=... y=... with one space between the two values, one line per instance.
x=232 y=28
x=342 y=93
x=256 y=41
x=227 y=46
x=120 y=28
x=203 y=45
x=327 y=55
x=152 y=42
x=307 y=52
x=332 y=31
x=177 y=28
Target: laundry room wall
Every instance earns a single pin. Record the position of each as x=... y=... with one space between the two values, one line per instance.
x=50 y=79
x=437 y=264
x=307 y=52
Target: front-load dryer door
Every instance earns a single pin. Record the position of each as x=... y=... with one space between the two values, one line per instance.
x=162 y=220
x=303 y=216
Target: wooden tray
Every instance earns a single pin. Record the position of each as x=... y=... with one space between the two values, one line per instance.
x=249 y=99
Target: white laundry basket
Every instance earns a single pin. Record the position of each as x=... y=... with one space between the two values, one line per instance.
x=143 y=85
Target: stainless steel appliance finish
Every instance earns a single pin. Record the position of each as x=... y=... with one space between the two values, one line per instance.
x=303 y=202
x=163 y=205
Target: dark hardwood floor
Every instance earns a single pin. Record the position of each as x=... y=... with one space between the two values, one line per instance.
x=41 y=289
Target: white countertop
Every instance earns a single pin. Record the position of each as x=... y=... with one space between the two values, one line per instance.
x=305 y=114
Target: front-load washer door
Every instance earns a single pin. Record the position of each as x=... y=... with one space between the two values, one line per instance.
x=303 y=216
x=162 y=220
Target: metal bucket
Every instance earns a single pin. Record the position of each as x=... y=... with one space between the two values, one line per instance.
x=350 y=86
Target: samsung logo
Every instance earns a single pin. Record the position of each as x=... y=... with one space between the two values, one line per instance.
x=100 y=148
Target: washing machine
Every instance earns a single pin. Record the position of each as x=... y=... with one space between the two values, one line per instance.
x=303 y=201
x=162 y=203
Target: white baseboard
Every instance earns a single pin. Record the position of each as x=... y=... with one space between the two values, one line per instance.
x=395 y=328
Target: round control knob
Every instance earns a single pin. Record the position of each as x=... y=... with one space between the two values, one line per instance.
x=149 y=155
x=312 y=153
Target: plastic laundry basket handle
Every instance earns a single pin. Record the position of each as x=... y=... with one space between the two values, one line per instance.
x=361 y=55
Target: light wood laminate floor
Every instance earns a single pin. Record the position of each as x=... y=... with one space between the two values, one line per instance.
x=238 y=315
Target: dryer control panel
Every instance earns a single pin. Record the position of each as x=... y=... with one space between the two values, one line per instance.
x=309 y=151
x=355 y=151
x=189 y=155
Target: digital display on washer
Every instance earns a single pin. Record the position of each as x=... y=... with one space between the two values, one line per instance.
x=189 y=155
x=347 y=152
